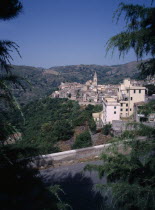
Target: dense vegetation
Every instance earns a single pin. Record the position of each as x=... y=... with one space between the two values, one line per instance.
x=147 y=109
x=151 y=89
x=130 y=171
x=48 y=121
x=83 y=140
x=21 y=186
x=106 y=130
x=138 y=34
x=130 y=176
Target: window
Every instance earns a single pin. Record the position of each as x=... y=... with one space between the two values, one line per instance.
x=139 y=91
x=126 y=104
x=114 y=112
x=114 y=107
x=131 y=98
x=134 y=91
x=126 y=110
x=121 y=104
x=121 y=110
x=130 y=109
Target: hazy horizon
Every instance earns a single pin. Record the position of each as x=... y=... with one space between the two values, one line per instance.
x=73 y=65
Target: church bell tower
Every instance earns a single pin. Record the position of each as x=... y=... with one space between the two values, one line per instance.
x=95 y=79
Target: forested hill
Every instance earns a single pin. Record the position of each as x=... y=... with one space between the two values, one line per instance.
x=43 y=81
x=51 y=121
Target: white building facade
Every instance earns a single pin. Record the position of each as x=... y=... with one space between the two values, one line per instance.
x=122 y=106
x=111 y=110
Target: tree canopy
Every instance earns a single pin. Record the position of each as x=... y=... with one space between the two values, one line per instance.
x=21 y=186
x=139 y=34
x=10 y=9
x=130 y=170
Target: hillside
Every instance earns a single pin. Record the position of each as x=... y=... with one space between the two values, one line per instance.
x=54 y=124
x=44 y=81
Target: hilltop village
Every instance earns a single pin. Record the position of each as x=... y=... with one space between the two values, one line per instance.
x=120 y=102
x=89 y=93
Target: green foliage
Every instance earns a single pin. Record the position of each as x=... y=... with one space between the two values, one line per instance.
x=129 y=167
x=92 y=109
x=130 y=178
x=82 y=140
x=6 y=128
x=131 y=175
x=53 y=120
x=86 y=115
x=21 y=186
x=92 y=125
x=147 y=108
x=106 y=130
x=50 y=122
x=138 y=129
x=145 y=131
x=138 y=34
x=151 y=89
x=63 y=130
x=55 y=190
x=10 y=9
x=128 y=134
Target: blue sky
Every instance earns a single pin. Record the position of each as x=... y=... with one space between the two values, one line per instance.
x=64 y=32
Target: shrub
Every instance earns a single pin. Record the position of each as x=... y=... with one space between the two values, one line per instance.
x=83 y=140
x=106 y=130
x=92 y=125
x=151 y=89
x=62 y=130
x=128 y=134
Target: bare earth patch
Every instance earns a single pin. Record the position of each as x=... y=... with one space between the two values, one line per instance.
x=97 y=139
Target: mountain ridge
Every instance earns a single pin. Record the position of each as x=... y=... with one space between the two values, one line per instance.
x=44 y=81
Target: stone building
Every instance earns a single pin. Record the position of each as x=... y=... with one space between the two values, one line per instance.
x=118 y=100
x=121 y=106
x=129 y=94
x=90 y=92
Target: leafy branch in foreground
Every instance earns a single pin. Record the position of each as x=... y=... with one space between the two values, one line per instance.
x=5 y=57
x=130 y=175
x=55 y=190
x=21 y=185
x=130 y=172
x=9 y=9
x=139 y=34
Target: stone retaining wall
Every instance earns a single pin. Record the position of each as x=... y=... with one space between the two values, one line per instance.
x=67 y=156
x=118 y=126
